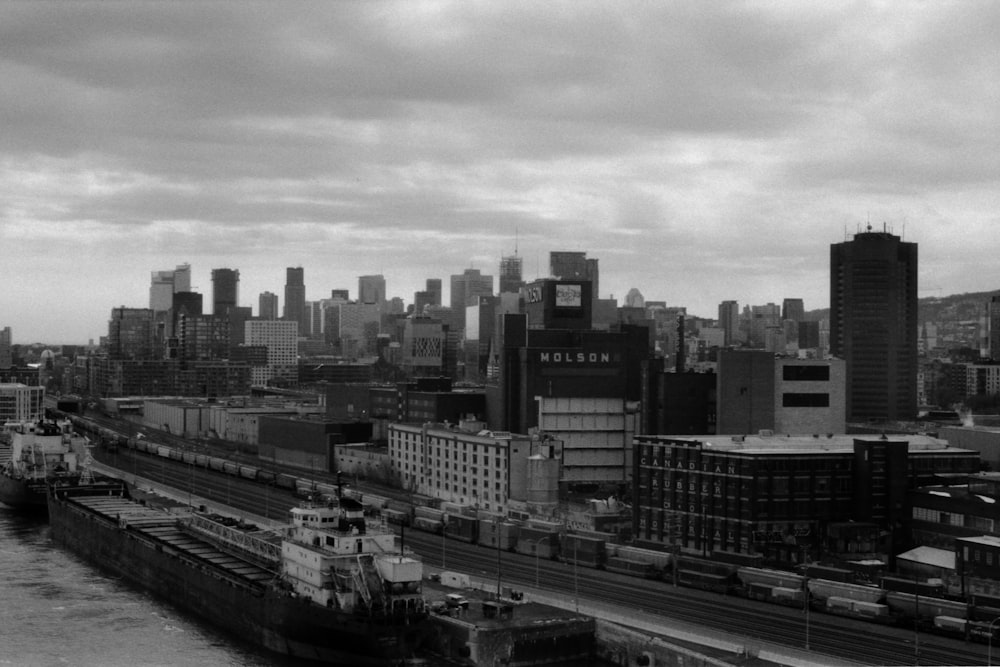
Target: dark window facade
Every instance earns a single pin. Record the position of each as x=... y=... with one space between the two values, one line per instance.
x=806 y=373
x=805 y=400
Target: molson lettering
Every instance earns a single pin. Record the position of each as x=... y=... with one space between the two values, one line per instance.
x=575 y=357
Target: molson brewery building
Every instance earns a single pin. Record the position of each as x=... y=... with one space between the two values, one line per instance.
x=553 y=371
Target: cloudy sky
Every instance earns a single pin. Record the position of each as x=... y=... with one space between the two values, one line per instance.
x=701 y=151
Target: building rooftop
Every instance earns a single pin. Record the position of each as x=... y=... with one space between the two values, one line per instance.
x=988 y=540
x=808 y=444
x=942 y=558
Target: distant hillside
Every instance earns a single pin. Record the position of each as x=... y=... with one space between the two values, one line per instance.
x=954 y=308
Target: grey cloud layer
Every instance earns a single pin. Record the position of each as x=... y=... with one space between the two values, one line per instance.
x=633 y=130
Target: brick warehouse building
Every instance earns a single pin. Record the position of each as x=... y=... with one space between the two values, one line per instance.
x=783 y=496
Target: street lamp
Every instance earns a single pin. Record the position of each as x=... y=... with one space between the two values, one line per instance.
x=538 y=543
x=989 y=642
x=805 y=592
x=576 y=581
x=444 y=531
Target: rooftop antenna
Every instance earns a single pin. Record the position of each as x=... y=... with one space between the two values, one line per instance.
x=515 y=241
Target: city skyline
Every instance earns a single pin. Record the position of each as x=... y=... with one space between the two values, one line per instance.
x=701 y=153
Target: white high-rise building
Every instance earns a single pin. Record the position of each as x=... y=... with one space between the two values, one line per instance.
x=280 y=337
x=164 y=283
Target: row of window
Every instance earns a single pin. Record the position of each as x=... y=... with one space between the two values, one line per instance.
x=982 y=523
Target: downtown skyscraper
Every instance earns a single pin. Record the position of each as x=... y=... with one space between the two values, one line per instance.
x=295 y=298
x=873 y=324
x=225 y=291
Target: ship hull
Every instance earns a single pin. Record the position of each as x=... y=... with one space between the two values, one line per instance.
x=250 y=611
x=23 y=495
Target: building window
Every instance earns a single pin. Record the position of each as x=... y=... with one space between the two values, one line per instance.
x=805 y=400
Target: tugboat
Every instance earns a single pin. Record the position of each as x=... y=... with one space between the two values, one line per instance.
x=39 y=453
x=329 y=587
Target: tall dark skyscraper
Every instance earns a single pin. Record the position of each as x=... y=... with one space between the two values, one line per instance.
x=729 y=322
x=873 y=323
x=466 y=288
x=793 y=309
x=225 y=290
x=295 y=298
x=434 y=290
x=510 y=273
x=267 y=306
x=371 y=289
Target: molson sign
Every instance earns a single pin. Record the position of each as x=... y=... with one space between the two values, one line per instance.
x=576 y=357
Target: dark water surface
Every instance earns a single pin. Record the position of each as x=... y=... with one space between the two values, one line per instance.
x=56 y=609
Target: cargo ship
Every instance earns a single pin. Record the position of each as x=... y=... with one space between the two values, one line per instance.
x=328 y=587
x=38 y=453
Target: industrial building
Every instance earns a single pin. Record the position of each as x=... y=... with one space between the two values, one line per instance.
x=785 y=497
x=557 y=374
x=463 y=464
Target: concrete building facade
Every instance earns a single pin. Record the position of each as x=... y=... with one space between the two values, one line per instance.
x=782 y=496
x=20 y=402
x=460 y=466
x=281 y=340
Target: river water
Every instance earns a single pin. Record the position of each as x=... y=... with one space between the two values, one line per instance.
x=58 y=610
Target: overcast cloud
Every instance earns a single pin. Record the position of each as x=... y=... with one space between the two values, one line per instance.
x=701 y=151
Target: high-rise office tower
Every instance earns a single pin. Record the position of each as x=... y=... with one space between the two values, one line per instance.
x=431 y=296
x=164 y=283
x=992 y=346
x=225 y=290
x=873 y=323
x=466 y=288
x=371 y=289
x=511 y=269
x=6 y=353
x=568 y=265
x=793 y=309
x=281 y=340
x=295 y=298
x=729 y=322
x=434 y=289
x=131 y=334
x=267 y=308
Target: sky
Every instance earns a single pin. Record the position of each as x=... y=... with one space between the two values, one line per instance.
x=701 y=151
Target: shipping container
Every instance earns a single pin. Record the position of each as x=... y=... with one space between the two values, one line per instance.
x=428 y=525
x=635 y=568
x=460 y=527
x=752 y=575
x=928 y=589
x=505 y=532
x=829 y=573
x=428 y=513
x=396 y=517
x=717 y=583
x=821 y=589
x=546 y=548
x=909 y=605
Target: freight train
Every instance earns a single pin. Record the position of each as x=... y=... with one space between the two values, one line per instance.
x=892 y=600
x=306 y=489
